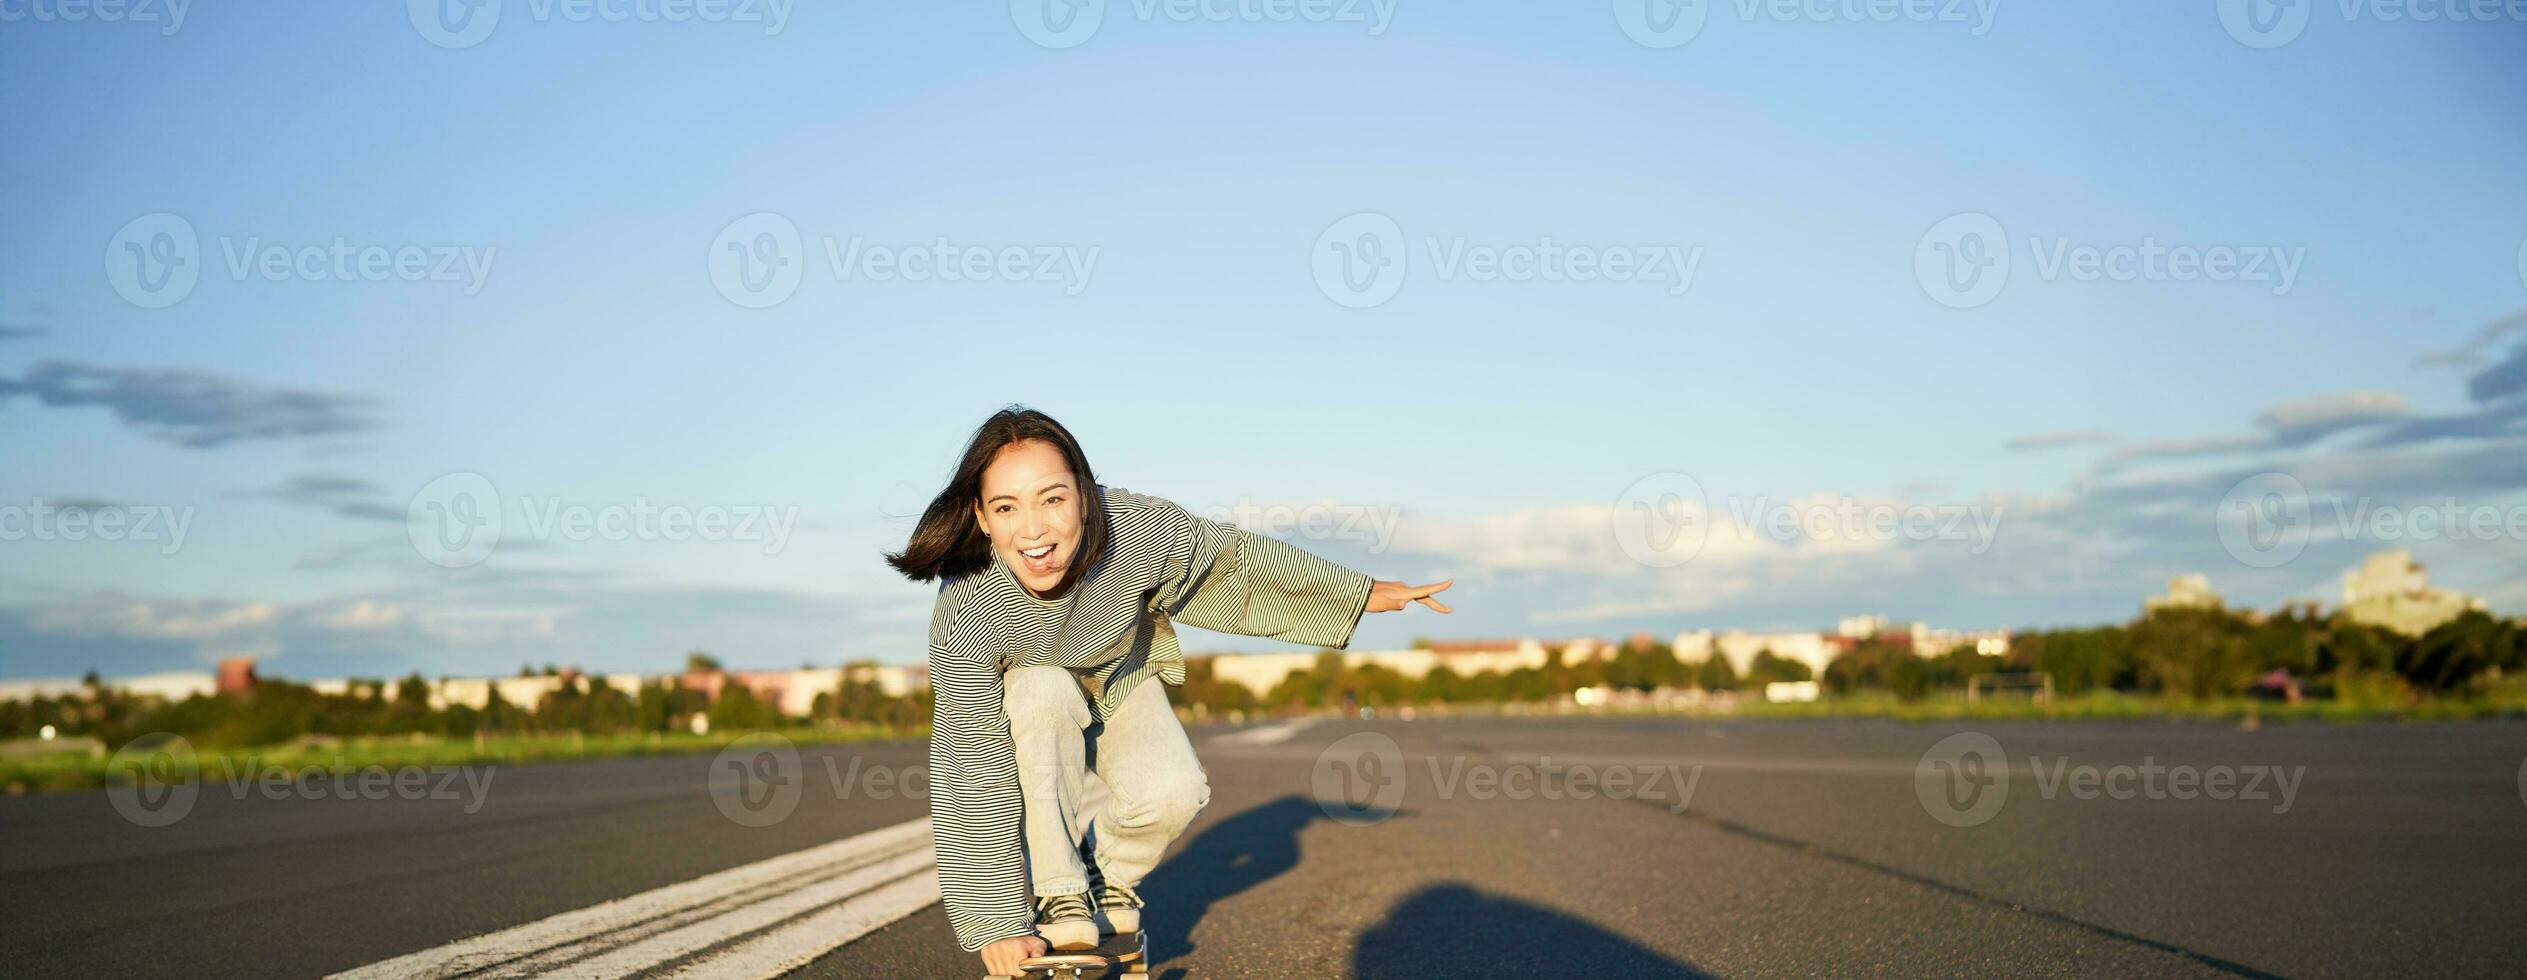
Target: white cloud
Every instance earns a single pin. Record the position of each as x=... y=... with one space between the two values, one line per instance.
x=118 y=615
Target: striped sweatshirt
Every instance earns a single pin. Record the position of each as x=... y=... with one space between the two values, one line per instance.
x=1114 y=626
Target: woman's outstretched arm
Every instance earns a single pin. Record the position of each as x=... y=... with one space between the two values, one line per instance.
x=1222 y=578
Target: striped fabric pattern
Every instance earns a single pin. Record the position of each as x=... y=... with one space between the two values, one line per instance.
x=1115 y=626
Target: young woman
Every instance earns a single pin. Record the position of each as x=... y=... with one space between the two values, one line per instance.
x=1056 y=603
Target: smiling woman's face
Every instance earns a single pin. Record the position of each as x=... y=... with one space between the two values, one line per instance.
x=1031 y=509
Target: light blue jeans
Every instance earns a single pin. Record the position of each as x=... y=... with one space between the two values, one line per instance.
x=1148 y=784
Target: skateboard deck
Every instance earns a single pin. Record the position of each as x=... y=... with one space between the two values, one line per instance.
x=1121 y=956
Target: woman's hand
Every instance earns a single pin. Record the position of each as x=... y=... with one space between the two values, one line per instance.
x=1002 y=956
x=1391 y=596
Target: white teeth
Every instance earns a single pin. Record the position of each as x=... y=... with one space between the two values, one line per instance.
x=1038 y=552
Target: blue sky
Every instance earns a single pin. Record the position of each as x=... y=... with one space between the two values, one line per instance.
x=592 y=169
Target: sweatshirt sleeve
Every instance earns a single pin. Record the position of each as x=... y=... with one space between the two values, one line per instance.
x=974 y=797
x=1221 y=578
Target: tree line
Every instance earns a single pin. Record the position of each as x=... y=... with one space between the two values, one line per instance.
x=279 y=710
x=2196 y=653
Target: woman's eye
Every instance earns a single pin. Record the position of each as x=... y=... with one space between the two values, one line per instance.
x=1053 y=501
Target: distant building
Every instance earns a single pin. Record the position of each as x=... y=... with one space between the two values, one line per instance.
x=236 y=675
x=170 y=686
x=1740 y=647
x=1261 y=672
x=1928 y=642
x=2183 y=592
x=2389 y=589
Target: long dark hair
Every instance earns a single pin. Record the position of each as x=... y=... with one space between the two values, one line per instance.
x=947 y=544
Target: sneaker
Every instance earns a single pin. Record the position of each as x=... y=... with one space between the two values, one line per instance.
x=1065 y=922
x=1118 y=910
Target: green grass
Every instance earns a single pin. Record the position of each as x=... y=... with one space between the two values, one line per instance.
x=73 y=771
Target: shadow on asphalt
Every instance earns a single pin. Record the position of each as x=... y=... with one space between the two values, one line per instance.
x=1443 y=930
x=1235 y=854
x=1454 y=930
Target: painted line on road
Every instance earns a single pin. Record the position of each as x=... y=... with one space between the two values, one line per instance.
x=756 y=920
x=1273 y=734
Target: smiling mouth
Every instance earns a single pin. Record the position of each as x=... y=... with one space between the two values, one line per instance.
x=1039 y=558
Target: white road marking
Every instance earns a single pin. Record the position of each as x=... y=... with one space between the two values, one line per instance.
x=1264 y=734
x=758 y=920
x=795 y=945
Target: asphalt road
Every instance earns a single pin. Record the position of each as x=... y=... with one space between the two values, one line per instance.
x=1472 y=847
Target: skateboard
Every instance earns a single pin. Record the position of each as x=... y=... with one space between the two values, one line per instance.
x=1120 y=957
